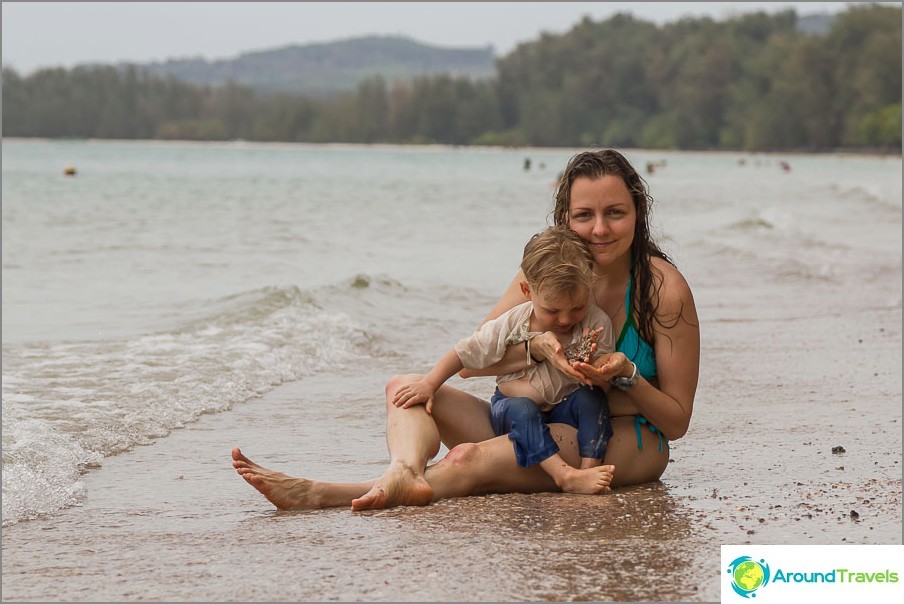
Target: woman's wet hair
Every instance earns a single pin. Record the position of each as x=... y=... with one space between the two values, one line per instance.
x=606 y=162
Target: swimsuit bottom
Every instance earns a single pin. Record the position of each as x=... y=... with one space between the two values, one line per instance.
x=640 y=420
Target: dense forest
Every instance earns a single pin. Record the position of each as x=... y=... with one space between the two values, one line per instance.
x=754 y=82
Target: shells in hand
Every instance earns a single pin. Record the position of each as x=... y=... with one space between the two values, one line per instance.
x=580 y=350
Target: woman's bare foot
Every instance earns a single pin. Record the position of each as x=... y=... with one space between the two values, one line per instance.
x=588 y=481
x=400 y=485
x=288 y=493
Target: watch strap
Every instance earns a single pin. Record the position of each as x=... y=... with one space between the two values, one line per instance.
x=624 y=383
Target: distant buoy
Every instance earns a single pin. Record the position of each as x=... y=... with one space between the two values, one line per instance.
x=69 y=171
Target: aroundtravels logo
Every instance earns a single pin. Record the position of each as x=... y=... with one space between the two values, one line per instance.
x=748 y=575
x=797 y=573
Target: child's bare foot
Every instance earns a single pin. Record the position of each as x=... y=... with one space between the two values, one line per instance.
x=400 y=485
x=588 y=481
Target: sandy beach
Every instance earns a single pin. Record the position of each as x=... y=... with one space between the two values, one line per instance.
x=173 y=522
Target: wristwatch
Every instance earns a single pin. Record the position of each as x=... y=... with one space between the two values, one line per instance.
x=624 y=383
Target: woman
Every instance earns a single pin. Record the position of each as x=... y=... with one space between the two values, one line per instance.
x=654 y=370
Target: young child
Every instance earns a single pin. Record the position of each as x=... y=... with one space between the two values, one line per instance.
x=558 y=272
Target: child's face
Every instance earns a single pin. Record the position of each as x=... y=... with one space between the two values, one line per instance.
x=557 y=312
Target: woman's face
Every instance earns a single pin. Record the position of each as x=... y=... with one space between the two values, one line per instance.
x=602 y=213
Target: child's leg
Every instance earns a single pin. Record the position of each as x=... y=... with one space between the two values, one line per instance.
x=586 y=409
x=589 y=462
x=589 y=481
x=525 y=424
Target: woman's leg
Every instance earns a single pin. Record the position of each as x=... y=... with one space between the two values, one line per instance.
x=470 y=468
x=412 y=438
x=461 y=418
x=485 y=467
x=490 y=466
x=634 y=465
x=288 y=493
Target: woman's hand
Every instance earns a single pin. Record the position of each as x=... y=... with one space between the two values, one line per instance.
x=604 y=368
x=547 y=347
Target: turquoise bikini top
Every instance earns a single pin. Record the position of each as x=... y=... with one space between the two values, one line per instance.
x=631 y=345
x=642 y=355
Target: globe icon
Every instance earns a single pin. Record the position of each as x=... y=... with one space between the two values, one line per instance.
x=748 y=575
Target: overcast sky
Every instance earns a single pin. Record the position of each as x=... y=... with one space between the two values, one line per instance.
x=53 y=34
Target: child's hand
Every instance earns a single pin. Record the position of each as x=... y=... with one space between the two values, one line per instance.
x=416 y=393
x=549 y=349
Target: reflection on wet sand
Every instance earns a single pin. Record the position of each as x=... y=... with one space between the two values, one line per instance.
x=638 y=543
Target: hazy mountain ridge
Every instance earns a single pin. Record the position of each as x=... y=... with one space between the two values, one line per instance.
x=332 y=67
x=815 y=24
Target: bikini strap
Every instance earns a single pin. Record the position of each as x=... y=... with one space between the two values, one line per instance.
x=640 y=420
x=629 y=312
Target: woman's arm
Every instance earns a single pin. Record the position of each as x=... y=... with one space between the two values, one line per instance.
x=669 y=405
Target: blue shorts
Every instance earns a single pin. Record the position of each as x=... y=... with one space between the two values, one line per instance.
x=586 y=409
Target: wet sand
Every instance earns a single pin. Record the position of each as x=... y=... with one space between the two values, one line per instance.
x=172 y=521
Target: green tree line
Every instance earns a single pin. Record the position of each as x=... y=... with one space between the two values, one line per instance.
x=754 y=83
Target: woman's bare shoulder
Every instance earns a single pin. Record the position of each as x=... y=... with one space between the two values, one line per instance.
x=675 y=292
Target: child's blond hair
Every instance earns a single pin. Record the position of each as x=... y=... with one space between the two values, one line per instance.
x=558 y=262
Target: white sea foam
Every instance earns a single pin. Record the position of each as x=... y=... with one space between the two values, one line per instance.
x=66 y=406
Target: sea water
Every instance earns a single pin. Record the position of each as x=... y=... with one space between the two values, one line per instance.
x=165 y=281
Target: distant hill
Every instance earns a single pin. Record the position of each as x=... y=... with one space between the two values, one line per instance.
x=330 y=68
x=815 y=24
